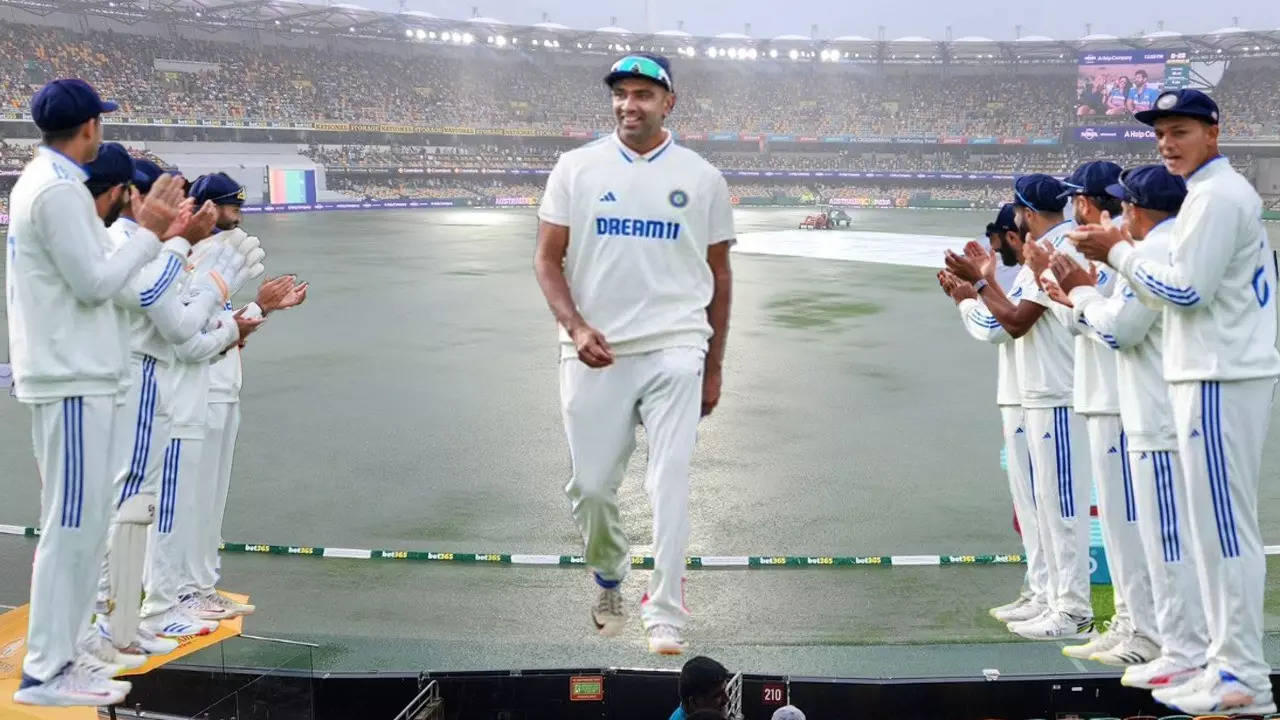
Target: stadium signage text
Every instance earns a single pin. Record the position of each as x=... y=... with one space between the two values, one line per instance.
x=1114 y=133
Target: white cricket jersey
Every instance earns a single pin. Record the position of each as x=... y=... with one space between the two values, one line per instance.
x=191 y=371
x=1044 y=354
x=1094 y=375
x=1136 y=333
x=982 y=325
x=65 y=338
x=1217 y=286
x=226 y=371
x=160 y=315
x=639 y=229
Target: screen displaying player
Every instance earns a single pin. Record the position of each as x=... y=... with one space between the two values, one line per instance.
x=1118 y=84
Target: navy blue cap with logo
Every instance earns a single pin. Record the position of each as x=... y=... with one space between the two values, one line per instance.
x=1004 y=219
x=1187 y=102
x=113 y=166
x=1152 y=187
x=145 y=174
x=1092 y=178
x=648 y=66
x=1040 y=192
x=66 y=103
x=219 y=187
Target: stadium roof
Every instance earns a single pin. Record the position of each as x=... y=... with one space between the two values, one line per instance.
x=351 y=20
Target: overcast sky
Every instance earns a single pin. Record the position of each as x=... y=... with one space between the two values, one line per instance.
x=991 y=18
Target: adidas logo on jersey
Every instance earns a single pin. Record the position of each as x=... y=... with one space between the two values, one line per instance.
x=1143 y=456
x=1018 y=431
x=609 y=197
x=1046 y=436
x=1195 y=433
x=1112 y=451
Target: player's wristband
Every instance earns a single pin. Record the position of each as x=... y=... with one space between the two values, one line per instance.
x=979 y=285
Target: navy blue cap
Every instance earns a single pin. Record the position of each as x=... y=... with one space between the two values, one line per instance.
x=1092 y=178
x=1186 y=101
x=66 y=103
x=113 y=166
x=145 y=174
x=1152 y=187
x=1042 y=193
x=218 y=187
x=649 y=66
x=1004 y=219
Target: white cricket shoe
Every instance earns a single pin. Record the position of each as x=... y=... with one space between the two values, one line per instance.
x=1015 y=625
x=1027 y=610
x=236 y=608
x=98 y=646
x=996 y=611
x=1056 y=626
x=144 y=642
x=199 y=606
x=608 y=613
x=1134 y=650
x=1217 y=692
x=665 y=640
x=176 y=623
x=75 y=685
x=1159 y=674
x=1115 y=633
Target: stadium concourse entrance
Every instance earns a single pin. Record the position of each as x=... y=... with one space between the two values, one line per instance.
x=293 y=692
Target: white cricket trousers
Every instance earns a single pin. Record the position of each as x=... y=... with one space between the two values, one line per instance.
x=1118 y=516
x=1022 y=488
x=1163 y=519
x=72 y=442
x=661 y=390
x=141 y=435
x=1221 y=427
x=1056 y=444
x=202 y=572
x=175 y=533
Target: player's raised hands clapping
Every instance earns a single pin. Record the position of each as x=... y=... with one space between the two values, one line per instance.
x=954 y=287
x=1070 y=275
x=975 y=264
x=161 y=206
x=1036 y=255
x=1095 y=241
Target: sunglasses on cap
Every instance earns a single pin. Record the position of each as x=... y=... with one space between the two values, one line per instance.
x=644 y=67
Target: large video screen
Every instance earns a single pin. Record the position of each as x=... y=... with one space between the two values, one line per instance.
x=1119 y=83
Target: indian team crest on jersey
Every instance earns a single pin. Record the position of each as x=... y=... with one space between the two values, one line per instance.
x=678 y=198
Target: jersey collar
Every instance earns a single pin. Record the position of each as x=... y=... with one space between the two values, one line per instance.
x=1207 y=170
x=632 y=156
x=1048 y=232
x=61 y=160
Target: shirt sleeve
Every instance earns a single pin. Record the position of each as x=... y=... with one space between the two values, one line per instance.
x=555 y=198
x=220 y=333
x=980 y=323
x=1207 y=233
x=151 y=284
x=1119 y=321
x=720 y=214
x=76 y=242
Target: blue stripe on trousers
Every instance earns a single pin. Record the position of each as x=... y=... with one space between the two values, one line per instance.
x=1130 y=508
x=1215 y=459
x=142 y=431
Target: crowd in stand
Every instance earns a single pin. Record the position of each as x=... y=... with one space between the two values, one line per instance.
x=480 y=87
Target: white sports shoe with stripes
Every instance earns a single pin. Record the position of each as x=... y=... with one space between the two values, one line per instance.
x=1056 y=626
x=217 y=599
x=76 y=685
x=99 y=647
x=177 y=623
x=144 y=642
x=1134 y=650
x=1116 y=633
x=200 y=606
